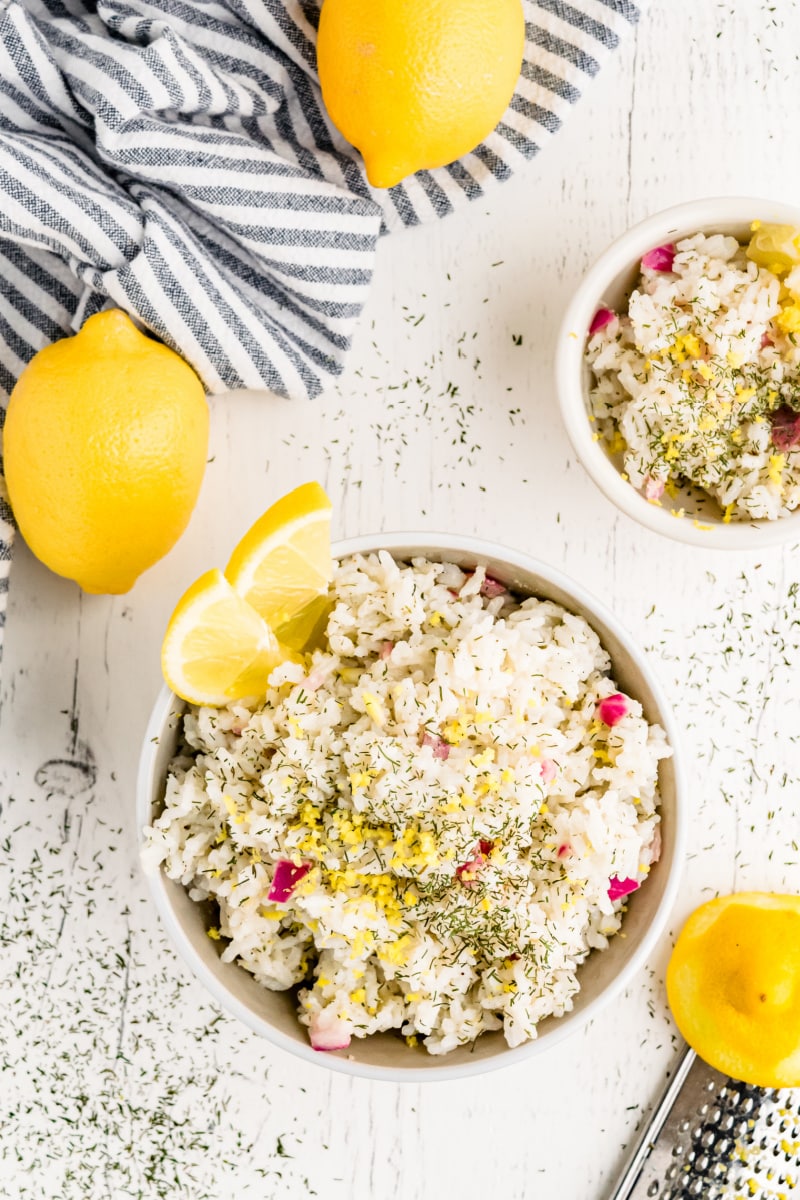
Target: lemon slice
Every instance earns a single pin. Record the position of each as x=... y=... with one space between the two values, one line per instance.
x=217 y=648
x=283 y=563
x=733 y=984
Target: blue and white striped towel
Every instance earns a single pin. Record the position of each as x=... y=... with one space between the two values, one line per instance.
x=173 y=157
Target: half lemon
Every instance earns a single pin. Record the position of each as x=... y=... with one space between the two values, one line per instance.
x=733 y=984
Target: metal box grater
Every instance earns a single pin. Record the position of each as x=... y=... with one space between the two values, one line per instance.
x=711 y=1138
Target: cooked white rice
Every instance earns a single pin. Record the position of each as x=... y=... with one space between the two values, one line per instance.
x=404 y=921
x=689 y=379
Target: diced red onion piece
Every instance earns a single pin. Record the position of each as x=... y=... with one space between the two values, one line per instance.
x=660 y=258
x=285 y=879
x=492 y=587
x=328 y=1033
x=653 y=488
x=564 y=849
x=617 y=888
x=470 y=868
x=439 y=746
x=474 y=864
x=655 y=845
x=766 y=340
x=785 y=428
x=548 y=770
x=612 y=709
x=603 y=317
x=386 y=650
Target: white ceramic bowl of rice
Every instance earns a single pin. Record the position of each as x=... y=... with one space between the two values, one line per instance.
x=638 y=387
x=463 y=790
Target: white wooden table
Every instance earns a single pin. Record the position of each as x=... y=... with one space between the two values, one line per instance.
x=117 y=1076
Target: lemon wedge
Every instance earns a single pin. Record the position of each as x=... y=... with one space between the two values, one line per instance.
x=733 y=984
x=305 y=631
x=282 y=565
x=776 y=247
x=217 y=648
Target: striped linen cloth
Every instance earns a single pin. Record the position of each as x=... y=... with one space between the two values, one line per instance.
x=173 y=158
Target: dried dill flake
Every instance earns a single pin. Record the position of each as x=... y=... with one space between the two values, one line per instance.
x=118 y=1078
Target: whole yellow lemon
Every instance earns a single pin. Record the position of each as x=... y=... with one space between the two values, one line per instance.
x=105 y=441
x=733 y=984
x=417 y=84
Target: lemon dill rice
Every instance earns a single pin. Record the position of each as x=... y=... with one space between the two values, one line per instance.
x=427 y=825
x=697 y=380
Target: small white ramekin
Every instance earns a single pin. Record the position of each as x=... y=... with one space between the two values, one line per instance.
x=602 y=977
x=608 y=283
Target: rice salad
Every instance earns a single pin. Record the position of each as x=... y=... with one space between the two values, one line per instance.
x=427 y=825
x=697 y=381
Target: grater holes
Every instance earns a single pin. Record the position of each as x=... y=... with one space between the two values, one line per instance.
x=734 y=1140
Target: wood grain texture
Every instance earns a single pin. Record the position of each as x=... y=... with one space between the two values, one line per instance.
x=117 y=1076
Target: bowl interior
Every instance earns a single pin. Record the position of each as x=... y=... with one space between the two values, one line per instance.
x=609 y=284
x=387 y=1055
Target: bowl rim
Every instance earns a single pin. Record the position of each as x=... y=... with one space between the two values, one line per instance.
x=440 y=543
x=623 y=253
